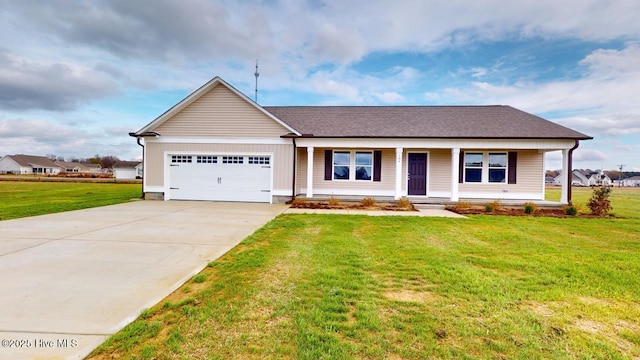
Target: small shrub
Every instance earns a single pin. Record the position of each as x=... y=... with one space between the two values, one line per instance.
x=462 y=205
x=489 y=207
x=368 y=202
x=333 y=201
x=599 y=204
x=298 y=201
x=530 y=208
x=496 y=204
x=404 y=203
x=570 y=210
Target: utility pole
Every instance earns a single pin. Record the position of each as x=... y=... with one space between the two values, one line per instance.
x=620 y=176
x=256 y=75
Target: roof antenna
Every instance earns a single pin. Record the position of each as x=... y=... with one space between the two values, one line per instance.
x=256 y=74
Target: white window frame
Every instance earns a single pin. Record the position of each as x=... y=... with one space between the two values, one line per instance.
x=352 y=165
x=486 y=167
x=505 y=167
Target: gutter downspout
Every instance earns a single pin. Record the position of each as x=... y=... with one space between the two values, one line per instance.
x=138 y=137
x=142 y=186
x=570 y=171
x=293 y=183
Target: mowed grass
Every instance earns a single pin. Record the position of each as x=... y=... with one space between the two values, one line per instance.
x=22 y=199
x=358 y=287
x=625 y=201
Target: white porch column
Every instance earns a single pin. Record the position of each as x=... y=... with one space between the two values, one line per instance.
x=398 y=193
x=566 y=177
x=455 y=173
x=309 y=171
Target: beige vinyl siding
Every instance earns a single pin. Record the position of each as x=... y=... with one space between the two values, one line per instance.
x=322 y=186
x=440 y=170
x=528 y=175
x=282 y=160
x=221 y=114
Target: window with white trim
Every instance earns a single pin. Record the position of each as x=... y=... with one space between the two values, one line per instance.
x=485 y=167
x=181 y=159
x=262 y=160
x=207 y=159
x=364 y=165
x=233 y=160
x=353 y=165
x=497 y=167
x=473 y=167
x=341 y=165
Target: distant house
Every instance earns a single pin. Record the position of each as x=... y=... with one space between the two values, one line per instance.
x=599 y=179
x=578 y=178
x=631 y=181
x=28 y=164
x=127 y=170
x=78 y=168
x=549 y=180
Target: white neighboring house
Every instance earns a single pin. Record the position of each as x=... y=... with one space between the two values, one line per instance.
x=631 y=181
x=78 y=168
x=577 y=179
x=28 y=164
x=599 y=179
x=127 y=170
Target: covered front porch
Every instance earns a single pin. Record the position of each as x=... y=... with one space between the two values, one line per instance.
x=419 y=201
x=426 y=171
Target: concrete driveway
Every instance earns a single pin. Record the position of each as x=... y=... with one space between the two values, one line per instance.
x=70 y=280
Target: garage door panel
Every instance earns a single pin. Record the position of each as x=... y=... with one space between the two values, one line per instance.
x=234 y=180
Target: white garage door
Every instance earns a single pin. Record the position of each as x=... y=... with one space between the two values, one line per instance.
x=220 y=177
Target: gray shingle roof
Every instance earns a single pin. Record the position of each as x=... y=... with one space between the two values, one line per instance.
x=32 y=160
x=126 y=164
x=495 y=121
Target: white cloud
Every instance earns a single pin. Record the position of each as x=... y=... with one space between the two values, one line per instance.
x=34 y=84
x=606 y=97
x=327 y=86
x=589 y=155
x=39 y=137
x=390 y=97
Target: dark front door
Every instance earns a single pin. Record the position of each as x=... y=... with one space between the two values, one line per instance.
x=417 y=174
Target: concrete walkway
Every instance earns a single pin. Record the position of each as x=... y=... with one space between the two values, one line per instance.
x=70 y=280
x=419 y=213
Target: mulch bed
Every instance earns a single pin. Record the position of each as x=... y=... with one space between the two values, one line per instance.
x=347 y=206
x=507 y=211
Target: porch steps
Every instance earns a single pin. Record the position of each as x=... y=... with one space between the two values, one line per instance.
x=429 y=206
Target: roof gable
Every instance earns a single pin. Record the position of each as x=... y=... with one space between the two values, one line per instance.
x=192 y=98
x=496 y=121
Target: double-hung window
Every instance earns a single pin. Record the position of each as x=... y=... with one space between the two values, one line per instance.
x=364 y=165
x=485 y=167
x=341 y=165
x=473 y=163
x=497 y=167
x=353 y=165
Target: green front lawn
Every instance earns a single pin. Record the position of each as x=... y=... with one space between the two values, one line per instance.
x=20 y=199
x=344 y=287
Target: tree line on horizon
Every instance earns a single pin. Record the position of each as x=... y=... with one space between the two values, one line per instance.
x=612 y=174
x=105 y=162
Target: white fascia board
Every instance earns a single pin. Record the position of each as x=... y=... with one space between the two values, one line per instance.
x=546 y=144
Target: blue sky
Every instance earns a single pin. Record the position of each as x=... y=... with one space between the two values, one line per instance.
x=77 y=76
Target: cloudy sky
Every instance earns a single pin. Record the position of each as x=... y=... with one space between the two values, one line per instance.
x=77 y=76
